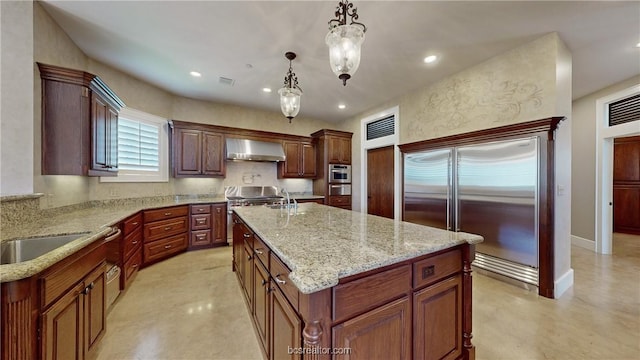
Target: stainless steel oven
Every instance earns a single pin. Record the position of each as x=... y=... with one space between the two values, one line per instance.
x=339 y=174
x=340 y=189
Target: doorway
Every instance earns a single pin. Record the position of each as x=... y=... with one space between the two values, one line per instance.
x=380 y=182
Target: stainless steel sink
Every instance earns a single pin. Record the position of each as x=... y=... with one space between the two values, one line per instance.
x=19 y=250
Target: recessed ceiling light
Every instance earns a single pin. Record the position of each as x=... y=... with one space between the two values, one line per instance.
x=342 y=106
x=429 y=59
x=195 y=74
x=267 y=90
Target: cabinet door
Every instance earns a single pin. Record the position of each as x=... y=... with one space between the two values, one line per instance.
x=334 y=145
x=308 y=161
x=285 y=328
x=345 y=151
x=291 y=166
x=188 y=152
x=219 y=223
x=438 y=320
x=99 y=134
x=238 y=248
x=382 y=333
x=261 y=304
x=213 y=154
x=62 y=327
x=247 y=274
x=94 y=308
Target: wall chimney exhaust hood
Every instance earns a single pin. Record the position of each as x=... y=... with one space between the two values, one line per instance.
x=243 y=149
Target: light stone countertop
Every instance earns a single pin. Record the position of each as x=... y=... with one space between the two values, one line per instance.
x=322 y=244
x=95 y=221
x=306 y=196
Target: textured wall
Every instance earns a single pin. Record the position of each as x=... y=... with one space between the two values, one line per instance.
x=16 y=149
x=583 y=167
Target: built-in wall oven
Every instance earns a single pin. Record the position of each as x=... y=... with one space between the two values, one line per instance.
x=339 y=174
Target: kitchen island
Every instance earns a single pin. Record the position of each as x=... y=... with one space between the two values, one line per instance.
x=323 y=282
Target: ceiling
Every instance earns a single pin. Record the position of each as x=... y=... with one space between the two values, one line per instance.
x=160 y=42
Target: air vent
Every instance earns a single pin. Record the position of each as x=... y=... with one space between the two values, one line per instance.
x=226 y=81
x=624 y=111
x=381 y=128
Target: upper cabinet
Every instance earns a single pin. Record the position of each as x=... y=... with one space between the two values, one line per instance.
x=339 y=149
x=300 y=160
x=197 y=152
x=79 y=123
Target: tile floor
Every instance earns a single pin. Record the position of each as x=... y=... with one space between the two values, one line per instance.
x=190 y=307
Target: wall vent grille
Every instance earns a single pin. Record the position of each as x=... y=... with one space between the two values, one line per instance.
x=624 y=111
x=381 y=128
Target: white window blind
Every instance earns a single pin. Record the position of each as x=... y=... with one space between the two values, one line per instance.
x=138 y=146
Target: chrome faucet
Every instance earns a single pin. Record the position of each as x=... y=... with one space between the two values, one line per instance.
x=295 y=203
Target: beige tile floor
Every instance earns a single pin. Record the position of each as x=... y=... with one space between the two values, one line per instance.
x=190 y=307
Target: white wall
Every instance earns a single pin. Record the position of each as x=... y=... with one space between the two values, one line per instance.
x=16 y=79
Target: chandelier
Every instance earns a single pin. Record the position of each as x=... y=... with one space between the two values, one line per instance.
x=344 y=41
x=290 y=92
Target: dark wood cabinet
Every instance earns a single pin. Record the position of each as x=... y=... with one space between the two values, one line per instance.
x=208 y=226
x=246 y=264
x=166 y=233
x=285 y=328
x=197 y=153
x=73 y=318
x=300 y=160
x=79 y=123
x=261 y=304
x=382 y=333
x=126 y=251
x=339 y=149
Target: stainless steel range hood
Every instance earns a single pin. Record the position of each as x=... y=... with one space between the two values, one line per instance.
x=243 y=149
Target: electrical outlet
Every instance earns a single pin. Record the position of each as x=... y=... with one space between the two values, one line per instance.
x=212 y=190
x=113 y=192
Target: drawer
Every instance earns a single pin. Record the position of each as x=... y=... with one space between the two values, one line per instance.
x=164 y=248
x=200 y=238
x=200 y=209
x=340 y=200
x=261 y=251
x=131 y=267
x=353 y=297
x=435 y=268
x=201 y=222
x=280 y=274
x=65 y=274
x=132 y=242
x=161 y=229
x=132 y=223
x=165 y=213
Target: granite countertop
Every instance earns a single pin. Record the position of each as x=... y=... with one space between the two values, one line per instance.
x=95 y=221
x=322 y=244
x=306 y=196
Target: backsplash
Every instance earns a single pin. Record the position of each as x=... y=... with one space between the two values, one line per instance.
x=253 y=173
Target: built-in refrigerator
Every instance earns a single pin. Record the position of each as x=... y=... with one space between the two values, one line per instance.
x=489 y=189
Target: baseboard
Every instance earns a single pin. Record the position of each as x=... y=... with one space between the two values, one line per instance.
x=563 y=284
x=583 y=243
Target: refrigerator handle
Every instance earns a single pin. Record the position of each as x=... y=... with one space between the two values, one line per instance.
x=449 y=199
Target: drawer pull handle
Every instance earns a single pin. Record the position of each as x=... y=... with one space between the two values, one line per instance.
x=167 y=214
x=248 y=257
x=246 y=236
x=167 y=228
x=134 y=266
x=259 y=252
x=134 y=224
x=134 y=242
x=200 y=237
x=200 y=210
x=263 y=282
x=280 y=281
x=428 y=271
x=167 y=246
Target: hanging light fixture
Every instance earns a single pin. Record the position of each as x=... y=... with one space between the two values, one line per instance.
x=290 y=92
x=344 y=41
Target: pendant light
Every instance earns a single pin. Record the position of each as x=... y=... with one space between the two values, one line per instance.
x=290 y=92
x=344 y=41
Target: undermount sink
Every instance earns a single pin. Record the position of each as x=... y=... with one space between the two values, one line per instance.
x=19 y=250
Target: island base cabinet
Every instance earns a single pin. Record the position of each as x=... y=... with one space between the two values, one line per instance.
x=286 y=328
x=438 y=320
x=261 y=304
x=382 y=333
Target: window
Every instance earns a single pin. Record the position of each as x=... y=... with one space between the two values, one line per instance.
x=142 y=148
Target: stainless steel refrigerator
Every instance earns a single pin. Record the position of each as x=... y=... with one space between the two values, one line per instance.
x=489 y=189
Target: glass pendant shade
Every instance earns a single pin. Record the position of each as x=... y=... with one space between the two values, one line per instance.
x=290 y=101
x=344 y=43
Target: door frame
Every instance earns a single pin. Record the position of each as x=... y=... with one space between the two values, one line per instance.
x=604 y=166
x=397 y=158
